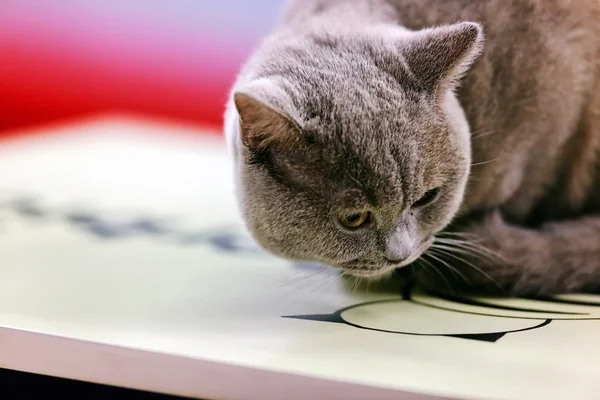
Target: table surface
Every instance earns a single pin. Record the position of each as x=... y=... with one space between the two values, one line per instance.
x=123 y=261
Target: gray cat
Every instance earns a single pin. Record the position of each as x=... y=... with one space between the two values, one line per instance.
x=455 y=139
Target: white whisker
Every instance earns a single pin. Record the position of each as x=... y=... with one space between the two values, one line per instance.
x=476 y=268
x=485 y=162
x=452 y=268
x=436 y=270
x=421 y=264
x=473 y=247
x=480 y=135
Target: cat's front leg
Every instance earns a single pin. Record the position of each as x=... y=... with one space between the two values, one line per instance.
x=494 y=257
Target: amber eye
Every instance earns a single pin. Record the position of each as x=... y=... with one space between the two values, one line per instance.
x=356 y=220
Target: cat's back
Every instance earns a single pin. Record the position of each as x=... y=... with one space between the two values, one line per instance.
x=500 y=15
x=534 y=49
x=531 y=99
x=524 y=38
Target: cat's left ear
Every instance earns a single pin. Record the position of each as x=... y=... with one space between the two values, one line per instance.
x=263 y=125
x=439 y=57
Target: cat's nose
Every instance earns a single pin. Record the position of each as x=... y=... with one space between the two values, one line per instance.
x=398 y=254
x=398 y=249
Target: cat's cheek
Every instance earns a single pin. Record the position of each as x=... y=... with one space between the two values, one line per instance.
x=440 y=215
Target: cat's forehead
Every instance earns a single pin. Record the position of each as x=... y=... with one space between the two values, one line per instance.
x=369 y=159
x=343 y=174
x=338 y=75
x=368 y=123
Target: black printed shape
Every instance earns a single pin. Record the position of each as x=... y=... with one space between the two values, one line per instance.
x=95 y=225
x=495 y=336
x=335 y=317
x=490 y=337
x=81 y=218
x=28 y=207
x=568 y=301
x=225 y=241
x=232 y=243
x=473 y=302
x=149 y=226
x=109 y=230
x=482 y=337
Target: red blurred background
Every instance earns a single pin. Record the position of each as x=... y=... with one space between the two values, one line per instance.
x=173 y=59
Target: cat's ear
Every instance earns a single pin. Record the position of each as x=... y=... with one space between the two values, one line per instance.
x=439 y=57
x=261 y=125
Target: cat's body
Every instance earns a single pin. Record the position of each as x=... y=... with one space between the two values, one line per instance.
x=532 y=103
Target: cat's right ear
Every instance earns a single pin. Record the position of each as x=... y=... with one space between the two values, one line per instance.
x=440 y=56
x=263 y=126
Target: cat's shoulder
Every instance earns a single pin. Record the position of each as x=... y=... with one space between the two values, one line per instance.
x=418 y=14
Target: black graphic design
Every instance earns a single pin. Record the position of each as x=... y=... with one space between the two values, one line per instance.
x=229 y=240
x=531 y=317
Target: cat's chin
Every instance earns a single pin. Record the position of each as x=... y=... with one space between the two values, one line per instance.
x=381 y=272
x=377 y=274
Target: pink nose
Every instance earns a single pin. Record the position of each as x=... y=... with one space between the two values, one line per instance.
x=398 y=253
x=399 y=244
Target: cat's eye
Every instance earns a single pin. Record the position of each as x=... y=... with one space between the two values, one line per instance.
x=356 y=220
x=428 y=198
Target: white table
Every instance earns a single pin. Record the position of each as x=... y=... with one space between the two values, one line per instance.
x=123 y=261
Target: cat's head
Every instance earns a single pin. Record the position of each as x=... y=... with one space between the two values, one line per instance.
x=351 y=148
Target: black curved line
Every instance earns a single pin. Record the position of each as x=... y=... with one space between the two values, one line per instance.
x=407 y=296
x=477 y=313
x=540 y=325
x=565 y=301
x=472 y=302
x=504 y=316
x=577 y=319
x=368 y=303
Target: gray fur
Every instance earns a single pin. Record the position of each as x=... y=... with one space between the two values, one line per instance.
x=369 y=104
